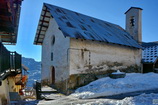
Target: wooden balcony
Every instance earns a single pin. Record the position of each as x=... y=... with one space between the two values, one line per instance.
x=21 y=80
x=9 y=19
x=10 y=63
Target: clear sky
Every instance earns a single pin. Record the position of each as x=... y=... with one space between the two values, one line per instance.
x=108 y=10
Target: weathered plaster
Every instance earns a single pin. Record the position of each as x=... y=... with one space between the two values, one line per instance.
x=12 y=86
x=59 y=50
x=4 y=91
x=87 y=56
x=73 y=58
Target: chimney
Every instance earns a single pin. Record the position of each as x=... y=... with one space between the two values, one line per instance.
x=134 y=23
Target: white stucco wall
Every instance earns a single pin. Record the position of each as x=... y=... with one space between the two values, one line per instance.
x=12 y=86
x=100 y=55
x=59 y=49
x=4 y=90
x=68 y=58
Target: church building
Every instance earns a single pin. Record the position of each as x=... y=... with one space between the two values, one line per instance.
x=77 y=49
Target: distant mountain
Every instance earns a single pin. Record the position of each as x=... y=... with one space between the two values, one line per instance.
x=34 y=72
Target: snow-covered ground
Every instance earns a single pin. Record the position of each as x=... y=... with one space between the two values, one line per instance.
x=47 y=88
x=107 y=86
x=143 y=99
x=48 y=95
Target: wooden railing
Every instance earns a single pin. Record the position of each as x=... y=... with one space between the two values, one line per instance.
x=15 y=60
x=4 y=59
x=10 y=62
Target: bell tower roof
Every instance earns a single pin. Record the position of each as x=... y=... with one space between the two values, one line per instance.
x=133 y=8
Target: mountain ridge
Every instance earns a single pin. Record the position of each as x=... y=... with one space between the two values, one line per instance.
x=34 y=72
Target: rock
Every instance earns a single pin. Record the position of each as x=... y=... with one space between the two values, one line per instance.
x=117 y=74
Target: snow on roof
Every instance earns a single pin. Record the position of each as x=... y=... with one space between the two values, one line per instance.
x=76 y=25
x=150 y=52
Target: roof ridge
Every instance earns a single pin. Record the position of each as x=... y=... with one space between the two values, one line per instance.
x=78 y=25
x=82 y=14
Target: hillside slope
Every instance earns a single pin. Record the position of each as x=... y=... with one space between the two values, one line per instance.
x=34 y=72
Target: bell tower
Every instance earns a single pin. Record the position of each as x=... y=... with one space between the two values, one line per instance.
x=134 y=23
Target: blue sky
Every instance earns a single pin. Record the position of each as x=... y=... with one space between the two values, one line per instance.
x=108 y=10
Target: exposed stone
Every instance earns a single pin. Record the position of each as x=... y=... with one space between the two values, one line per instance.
x=62 y=86
x=117 y=74
x=45 y=82
x=132 y=69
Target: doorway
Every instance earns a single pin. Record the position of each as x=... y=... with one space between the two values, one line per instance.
x=147 y=68
x=53 y=75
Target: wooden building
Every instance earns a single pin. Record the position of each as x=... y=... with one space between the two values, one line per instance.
x=150 y=57
x=10 y=62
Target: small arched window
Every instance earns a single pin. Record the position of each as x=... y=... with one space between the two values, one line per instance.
x=53 y=40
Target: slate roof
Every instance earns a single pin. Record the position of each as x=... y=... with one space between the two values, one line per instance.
x=76 y=25
x=150 y=52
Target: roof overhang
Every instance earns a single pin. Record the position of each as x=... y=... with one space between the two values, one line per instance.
x=42 y=26
x=134 y=8
x=9 y=20
x=150 y=53
x=153 y=62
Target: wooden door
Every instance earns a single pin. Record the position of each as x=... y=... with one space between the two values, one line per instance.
x=53 y=75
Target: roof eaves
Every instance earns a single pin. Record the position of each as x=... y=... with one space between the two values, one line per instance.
x=134 y=8
x=40 y=25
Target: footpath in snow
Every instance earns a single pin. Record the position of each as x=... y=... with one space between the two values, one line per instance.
x=108 y=87
x=143 y=99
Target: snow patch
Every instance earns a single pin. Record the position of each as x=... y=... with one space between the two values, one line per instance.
x=143 y=99
x=118 y=72
x=107 y=86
